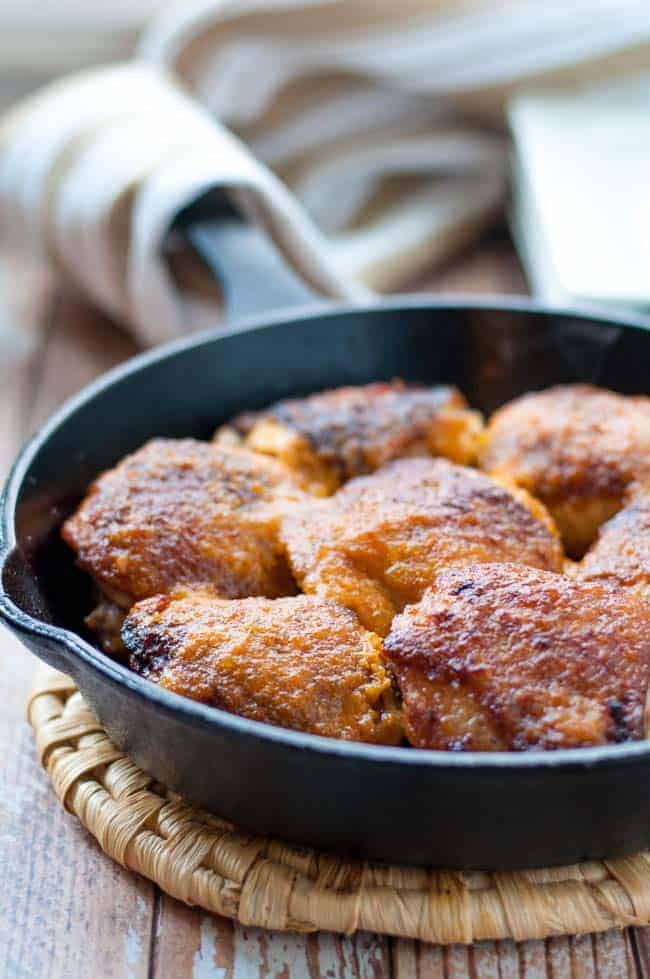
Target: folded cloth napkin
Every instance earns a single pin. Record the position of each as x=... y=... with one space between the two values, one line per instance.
x=373 y=134
x=93 y=171
x=382 y=117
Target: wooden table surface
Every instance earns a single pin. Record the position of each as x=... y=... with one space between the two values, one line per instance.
x=66 y=910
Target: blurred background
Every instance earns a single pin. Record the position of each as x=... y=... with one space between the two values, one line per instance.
x=41 y=41
x=379 y=141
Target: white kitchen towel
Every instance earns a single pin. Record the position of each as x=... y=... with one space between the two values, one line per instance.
x=375 y=131
x=93 y=171
x=384 y=118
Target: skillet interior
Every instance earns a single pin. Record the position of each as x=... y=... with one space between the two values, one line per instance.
x=391 y=804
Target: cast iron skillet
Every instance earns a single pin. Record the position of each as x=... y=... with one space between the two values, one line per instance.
x=393 y=804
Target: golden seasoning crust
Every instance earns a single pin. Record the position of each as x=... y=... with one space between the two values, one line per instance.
x=381 y=540
x=577 y=448
x=332 y=436
x=534 y=506
x=299 y=662
x=621 y=554
x=510 y=657
x=181 y=511
x=277 y=439
x=441 y=715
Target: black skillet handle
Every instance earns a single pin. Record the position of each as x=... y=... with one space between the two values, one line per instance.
x=251 y=272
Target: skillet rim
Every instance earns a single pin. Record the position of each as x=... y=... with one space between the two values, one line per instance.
x=202 y=715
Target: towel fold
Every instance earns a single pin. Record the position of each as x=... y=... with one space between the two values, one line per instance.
x=93 y=171
x=368 y=137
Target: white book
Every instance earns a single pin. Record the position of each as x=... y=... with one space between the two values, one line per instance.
x=581 y=193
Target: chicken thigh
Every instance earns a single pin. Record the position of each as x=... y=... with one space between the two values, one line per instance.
x=381 y=540
x=621 y=553
x=329 y=437
x=182 y=511
x=299 y=662
x=576 y=448
x=503 y=657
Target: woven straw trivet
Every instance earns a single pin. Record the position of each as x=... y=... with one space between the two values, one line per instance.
x=205 y=861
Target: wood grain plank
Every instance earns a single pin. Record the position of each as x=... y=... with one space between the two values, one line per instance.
x=640 y=940
x=269 y=954
x=68 y=912
x=580 y=957
x=583 y=960
x=82 y=345
x=372 y=953
x=25 y=304
x=416 y=960
x=532 y=960
x=613 y=955
x=508 y=952
x=558 y=955
x=484 y=960
x=189 y=942
x=25 y=292
x=404 y=958
x=336 y=957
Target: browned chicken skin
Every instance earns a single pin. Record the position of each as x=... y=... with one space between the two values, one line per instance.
x=621 y=554
x=298 y=662
x=575 y=447
x=179 y=511
x=380 y=541
x=500 y=650
x=331 y=436
x=504 y=657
